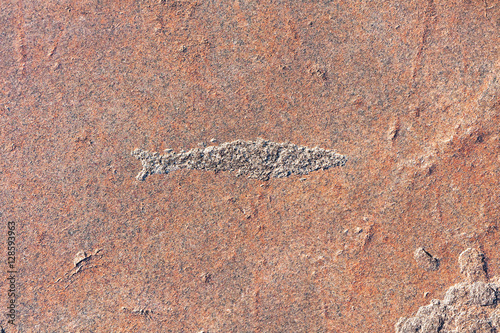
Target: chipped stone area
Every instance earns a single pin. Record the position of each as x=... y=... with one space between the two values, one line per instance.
x=467 y=307
x=80 y=257
x=260 y=159
x=472 y=265
x=425 y=260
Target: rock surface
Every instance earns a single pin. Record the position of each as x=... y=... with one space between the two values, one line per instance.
x=472 y=265
x=425 y=260
x=467 y=307
x=407 y=90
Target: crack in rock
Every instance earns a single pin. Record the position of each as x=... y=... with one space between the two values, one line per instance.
x=467 y=306
x=260 y=159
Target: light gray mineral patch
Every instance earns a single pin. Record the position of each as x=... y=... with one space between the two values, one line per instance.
x=258 y=159
x=425 y=260
x=472 y=265
x=467 y=307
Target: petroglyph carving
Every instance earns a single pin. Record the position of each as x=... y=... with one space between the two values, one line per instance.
x=258 y=159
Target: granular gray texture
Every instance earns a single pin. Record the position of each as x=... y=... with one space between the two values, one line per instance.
x=467 y=307
x=472 y=265
x=258 y=159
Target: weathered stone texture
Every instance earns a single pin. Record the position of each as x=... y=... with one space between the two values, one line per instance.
x=407 y=90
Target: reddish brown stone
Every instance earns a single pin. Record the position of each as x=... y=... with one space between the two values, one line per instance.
x=407 y=90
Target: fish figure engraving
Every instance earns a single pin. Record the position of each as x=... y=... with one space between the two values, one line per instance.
x=260 y=159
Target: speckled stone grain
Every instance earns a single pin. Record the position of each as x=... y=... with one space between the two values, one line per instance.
x=407 y=90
